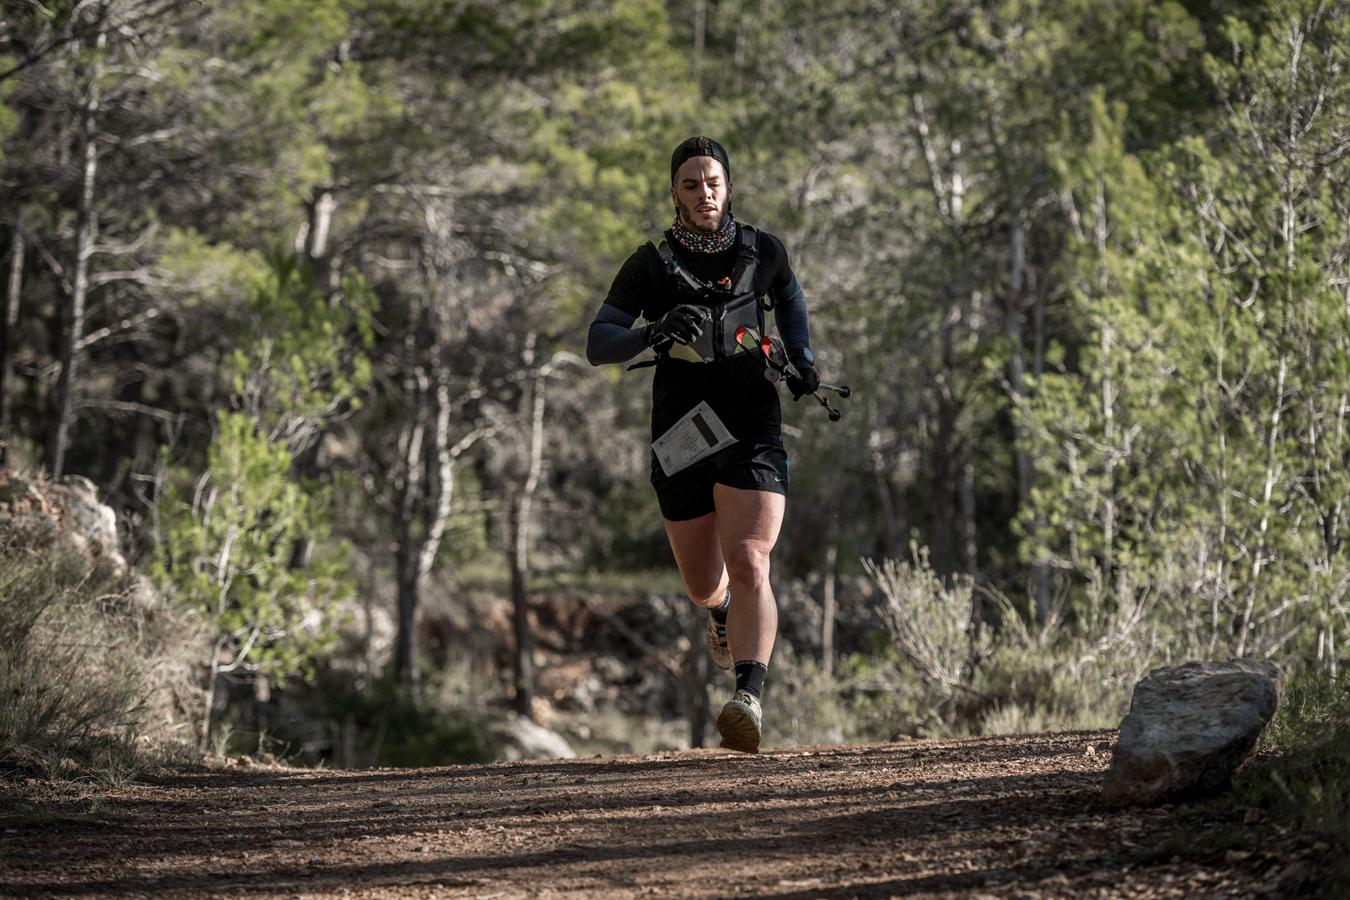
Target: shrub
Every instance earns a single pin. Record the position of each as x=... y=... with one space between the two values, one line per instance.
x=88 y=669
x=809 y=708
x=1305 y=785
x=399 y=730
x=334 y=720
x=874 y=696
x=986 y=670
x=934 y=624
x=226 y=553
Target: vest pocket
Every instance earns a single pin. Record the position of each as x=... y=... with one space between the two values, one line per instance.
x=740 y=312
x=703 y=346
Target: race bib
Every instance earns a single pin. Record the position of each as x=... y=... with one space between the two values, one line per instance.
x=697 y=435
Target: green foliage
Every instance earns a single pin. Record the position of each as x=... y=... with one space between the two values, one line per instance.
x=9 y=119
x=226 y=550
x=872 y=696
x=934 y=625
x=1087 y=282
x=274 y=93
x=984 y=669
x=1305 y=786
x=404 y=732
x=626 y=526
x=598 y=147
x=248 y=545
x=1090 y=428
x=383 y=724
x=212 y=274
x=292 y=88
x=300 y=358
x=807 y=705
x=1203 y=420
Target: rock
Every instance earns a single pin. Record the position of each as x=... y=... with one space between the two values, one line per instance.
x=43 y=515
x=1188 y=730
x=518 y=738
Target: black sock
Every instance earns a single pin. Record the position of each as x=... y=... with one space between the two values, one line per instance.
x=750 y=676
x=719 y=612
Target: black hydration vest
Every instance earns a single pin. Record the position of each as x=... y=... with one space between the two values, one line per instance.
x=731 y=300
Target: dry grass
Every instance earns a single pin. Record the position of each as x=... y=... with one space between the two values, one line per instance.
x=91 y=670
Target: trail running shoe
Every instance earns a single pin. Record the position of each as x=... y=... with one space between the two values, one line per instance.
x=718 y=648
x=739 y=723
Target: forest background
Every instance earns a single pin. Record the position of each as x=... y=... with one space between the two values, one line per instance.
x=303 y=290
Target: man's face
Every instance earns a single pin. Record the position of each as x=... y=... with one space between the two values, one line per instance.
x=701 y=193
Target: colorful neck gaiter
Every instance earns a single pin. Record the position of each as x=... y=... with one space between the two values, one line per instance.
x=719 y=240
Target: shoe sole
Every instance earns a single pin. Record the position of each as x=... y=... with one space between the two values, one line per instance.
x=717 y=660
x=718 y=652
x=739 y=731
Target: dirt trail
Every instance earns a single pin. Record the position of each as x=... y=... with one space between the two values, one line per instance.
x=997 y=817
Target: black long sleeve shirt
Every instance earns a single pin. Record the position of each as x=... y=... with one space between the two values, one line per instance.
x=735 y=388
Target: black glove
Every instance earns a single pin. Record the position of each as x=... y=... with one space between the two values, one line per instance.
x=807 y=379
x=684 y=323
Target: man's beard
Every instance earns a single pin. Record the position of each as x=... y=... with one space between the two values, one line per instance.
x=687 y=217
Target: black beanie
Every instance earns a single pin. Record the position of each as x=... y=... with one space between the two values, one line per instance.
x=699 y=146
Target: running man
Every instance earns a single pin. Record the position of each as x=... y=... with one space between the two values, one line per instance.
x=718 y=464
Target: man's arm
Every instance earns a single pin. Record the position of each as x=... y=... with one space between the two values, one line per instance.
x=612 y=338
x=789 y=310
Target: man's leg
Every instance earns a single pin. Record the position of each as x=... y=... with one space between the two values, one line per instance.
x=748 y=523
x=698 y=553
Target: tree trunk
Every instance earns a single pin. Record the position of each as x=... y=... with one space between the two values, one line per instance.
x=424 y=509
x=427 y=488
x=522 y=514
x=1017 y=368
x=406 y=553
x=969 y=523
x=700 y=33
x=212 y=685
x=522 y=663
x=8 y=321
x=1040 y=567
x=945 y=541
x=952 y=540
x=315 y=244
x=827 y=611
x=892 y=508
x=405 y=643
x=1016 y=360
x=696 y=682
x=1108 y=402
x=86 y=228
x=442 y=486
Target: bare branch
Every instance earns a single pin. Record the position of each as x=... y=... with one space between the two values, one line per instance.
x=126 y=324
x=153 y=412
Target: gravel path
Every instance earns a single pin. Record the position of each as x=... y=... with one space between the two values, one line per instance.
x=996 y=817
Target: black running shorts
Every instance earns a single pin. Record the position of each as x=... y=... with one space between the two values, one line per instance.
x=751 y=465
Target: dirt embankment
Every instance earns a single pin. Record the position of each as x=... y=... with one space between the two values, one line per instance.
x=997 y=817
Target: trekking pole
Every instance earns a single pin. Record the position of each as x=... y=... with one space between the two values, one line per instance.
x=747 y=340
x=835 y=415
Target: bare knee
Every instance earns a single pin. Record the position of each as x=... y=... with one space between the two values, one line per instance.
x=704 y=590
x=748 y=564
